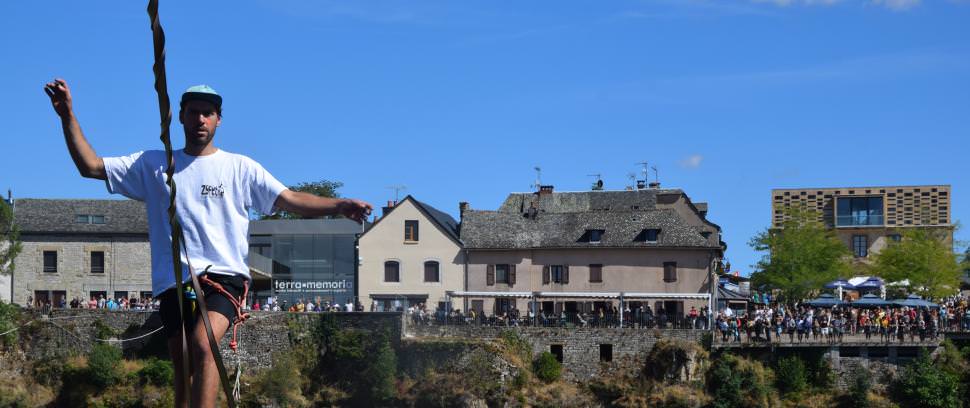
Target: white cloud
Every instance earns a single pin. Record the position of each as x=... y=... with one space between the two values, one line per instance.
x=895 y=5
x=692 y=162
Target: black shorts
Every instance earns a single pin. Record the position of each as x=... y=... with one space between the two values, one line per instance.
x=215 y=301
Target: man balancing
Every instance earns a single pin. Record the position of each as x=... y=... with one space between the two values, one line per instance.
x=216 y=189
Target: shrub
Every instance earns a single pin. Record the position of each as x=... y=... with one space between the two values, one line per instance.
x=102 y=331
x=925 y=385
x=48 y=371
x=547 y=368
x=790 y=376
x=9 y=316
x=157 y=372
x=860 y=383
x=517 y=346
x=104 y=365
x=736 y=382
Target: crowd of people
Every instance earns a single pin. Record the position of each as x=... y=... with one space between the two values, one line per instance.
x=641 y=316
x=804 y=323
x=97 y=302
x=308 y=305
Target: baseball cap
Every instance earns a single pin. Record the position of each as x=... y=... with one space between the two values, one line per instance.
x=202 y=93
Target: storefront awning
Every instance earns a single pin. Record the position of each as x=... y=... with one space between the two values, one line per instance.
x=647 y=295
x=589 y=295
x=461 y=293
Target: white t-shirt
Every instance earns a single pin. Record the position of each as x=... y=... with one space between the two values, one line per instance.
x=214 y=195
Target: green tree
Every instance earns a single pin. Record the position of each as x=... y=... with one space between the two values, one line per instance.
x=925 y=259
x=322 y=188
x=547 y=368
x=924 y=384
x=104 y=365
x=791 y=376
x=800 y=257
x=860 y=382
x=9 y=239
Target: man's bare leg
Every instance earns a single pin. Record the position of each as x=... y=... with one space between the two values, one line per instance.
x=205 y=377
x=175 y=351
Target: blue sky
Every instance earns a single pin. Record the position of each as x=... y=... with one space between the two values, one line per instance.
x=459 y=100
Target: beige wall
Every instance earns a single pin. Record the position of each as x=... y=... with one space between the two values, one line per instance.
x=624 y=270
x=127 y=266
x=385 y=242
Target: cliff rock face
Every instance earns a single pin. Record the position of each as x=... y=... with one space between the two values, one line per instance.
x=676 y=361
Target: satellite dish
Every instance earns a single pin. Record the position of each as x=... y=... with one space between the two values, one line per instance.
x=599 y=183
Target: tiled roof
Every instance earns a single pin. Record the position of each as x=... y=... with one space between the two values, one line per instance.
x=563 y=219
x=444 y=220
x=60 y=216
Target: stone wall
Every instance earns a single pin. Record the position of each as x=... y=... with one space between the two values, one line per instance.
x=580 y=346
x=73 y=331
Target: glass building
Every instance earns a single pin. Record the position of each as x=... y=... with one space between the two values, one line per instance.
x=299 y=260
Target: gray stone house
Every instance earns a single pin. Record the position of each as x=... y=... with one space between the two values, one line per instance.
x=81 y=248
x=579 y=252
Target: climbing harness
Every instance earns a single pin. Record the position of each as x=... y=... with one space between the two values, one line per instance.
x=178 y=237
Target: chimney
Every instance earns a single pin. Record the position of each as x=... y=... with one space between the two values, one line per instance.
x=543 y=190
x=641 y=184
x=701 y=208
x=387 y=209
x=655 y=185
x=462 y=206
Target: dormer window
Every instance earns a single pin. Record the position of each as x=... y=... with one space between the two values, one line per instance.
x=592 y=236
x=89 y=219
x=650 y=235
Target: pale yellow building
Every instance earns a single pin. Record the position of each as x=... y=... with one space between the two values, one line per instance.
x=411 y=255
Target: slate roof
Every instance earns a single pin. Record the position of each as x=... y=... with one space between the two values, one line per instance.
x=564 y=218
x=40 y=216
x=445 y=221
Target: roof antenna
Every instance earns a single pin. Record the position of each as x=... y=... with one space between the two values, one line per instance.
x=538 y=183
x=598 y=184
x=397 y=191
x=646 y=176
x=633 y=181
x=656 y=178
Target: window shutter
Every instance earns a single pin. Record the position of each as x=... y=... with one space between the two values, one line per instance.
x=490 y=275
x=565 y=274
x=416 y=231
x=512 y=275
x=545 y=274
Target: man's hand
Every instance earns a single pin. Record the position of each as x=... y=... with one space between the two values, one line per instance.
x=354 y=209
x=309 y=205
x=60 y=96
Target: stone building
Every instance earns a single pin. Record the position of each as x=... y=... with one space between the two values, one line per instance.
x=411 y=255
x=81 y=248
x=866 y=219
x=579 y=252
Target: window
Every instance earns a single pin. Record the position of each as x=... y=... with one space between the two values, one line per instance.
x=97 y=262
x=50 y=261
x=556 y=350
x=860 y=246
x=606 y=353
x=89 y=219
x=648 y=235
x=431 y=270
x=559 y=274
x=596 y=273
x=856 y=211
x=392 y=271
x=504 y=305
x=500 y=273
x=594 y=236
x=670 y=271
x=411 y=230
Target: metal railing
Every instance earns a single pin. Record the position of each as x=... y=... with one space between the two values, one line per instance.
x=567 y=320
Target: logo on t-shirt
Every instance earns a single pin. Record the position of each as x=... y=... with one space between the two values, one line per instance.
x=213 y=191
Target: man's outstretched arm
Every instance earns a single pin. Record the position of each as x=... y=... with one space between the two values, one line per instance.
x=309 y=205
x=87 y=161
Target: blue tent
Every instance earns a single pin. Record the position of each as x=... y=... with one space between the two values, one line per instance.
x=871 y=283
x=915 y=301
x=839 y=283
x=824 y=300
x=871 y=300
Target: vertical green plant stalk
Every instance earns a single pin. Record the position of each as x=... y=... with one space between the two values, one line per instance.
x=10 y=244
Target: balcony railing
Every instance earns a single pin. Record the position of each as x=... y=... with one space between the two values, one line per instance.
x=859 y=220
